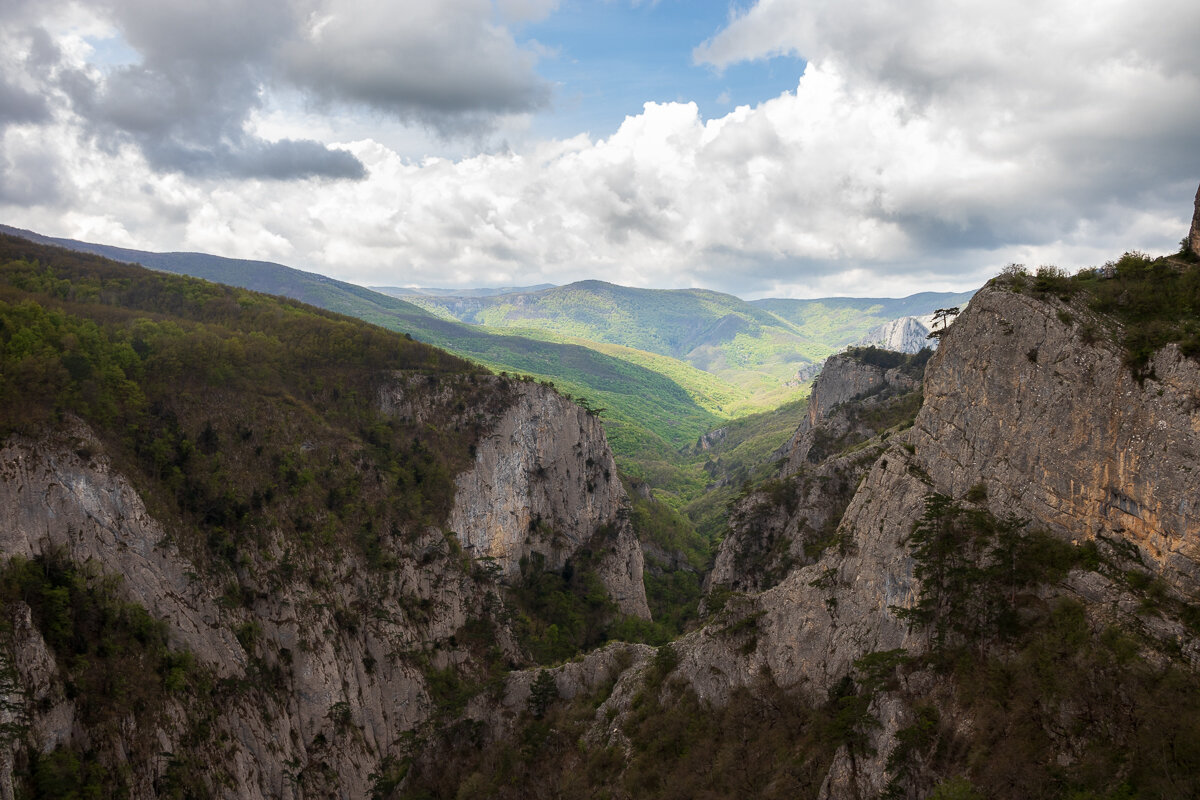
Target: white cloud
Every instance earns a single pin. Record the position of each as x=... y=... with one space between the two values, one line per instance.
x=920 y=150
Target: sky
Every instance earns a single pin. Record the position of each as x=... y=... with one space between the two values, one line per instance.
x=765 y=148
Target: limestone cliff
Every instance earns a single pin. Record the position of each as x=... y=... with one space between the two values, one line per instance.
x=1026 y=407
x=346 y=643
x=844 y=377
x=544 y=481
x=327 y=662
x=1025 y=399
x=902 y=335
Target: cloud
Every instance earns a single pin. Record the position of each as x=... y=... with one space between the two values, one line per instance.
x=918 y=150
x=18 y=105
x=200 y=72
x=443 y=64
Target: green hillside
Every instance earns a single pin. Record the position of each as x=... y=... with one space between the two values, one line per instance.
x=839 y=321
x=647 y=414
x=754 y=348
x=744 y=346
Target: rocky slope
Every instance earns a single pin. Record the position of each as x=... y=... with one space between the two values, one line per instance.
x=353 y=651
x=238 y=577
x=1032 y=419
x=844 y=378
x=544 y=481
x=789 y=521
x=1057 y=429
x=1041 y=420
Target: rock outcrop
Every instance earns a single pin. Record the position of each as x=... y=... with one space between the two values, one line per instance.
x=902 y=335
x=1026 y=408
x=843 y=378
x=544 y=481
x=281 y=741
x=330 y=666
x=1058 y=430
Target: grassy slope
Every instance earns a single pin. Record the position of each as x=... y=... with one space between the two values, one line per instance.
x=647 y=413
x=724 y=335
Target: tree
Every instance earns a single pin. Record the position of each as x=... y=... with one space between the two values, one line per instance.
x=542 y=693
x=943 y=316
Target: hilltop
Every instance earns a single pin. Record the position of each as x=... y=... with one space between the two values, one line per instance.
x=754 y=346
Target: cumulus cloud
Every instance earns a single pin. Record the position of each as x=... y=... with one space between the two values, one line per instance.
x=200 y=72
x=918 y=150
x=446 y=64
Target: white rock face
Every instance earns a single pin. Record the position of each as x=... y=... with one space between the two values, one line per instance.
x=544 y=481
x=903 y=335
x=277 y=737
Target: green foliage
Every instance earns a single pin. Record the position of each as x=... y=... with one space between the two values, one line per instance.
x=911 y=364
x=1156 y=300
x=64 y=774
x=542 y=694
x=235 y=412
x=972 y=567
x=955 y=789
x=763 y=743
x=559 y=614
x=1061 y=705
x=117 y=665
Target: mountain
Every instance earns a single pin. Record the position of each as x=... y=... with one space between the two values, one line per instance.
x=840 y=321
x=754 y=346
x=399 y=291
x=649 y=414
x=249 y=547
x=665 y=366
x=974 y=580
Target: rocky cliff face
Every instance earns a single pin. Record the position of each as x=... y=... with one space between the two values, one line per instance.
x=325 y=667
x=1194 y=233
x=347 y=650
x=1050 y=421
x=902 y=335
x=544 y=481
x=1039 y=418
x=842 y=379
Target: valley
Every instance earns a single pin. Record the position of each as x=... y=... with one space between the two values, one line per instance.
x=257 y=548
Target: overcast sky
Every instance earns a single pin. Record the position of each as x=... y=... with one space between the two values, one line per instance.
x=771 y=148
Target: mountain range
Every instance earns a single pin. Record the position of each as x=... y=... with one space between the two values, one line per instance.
x=253 y=548
x=666 y=366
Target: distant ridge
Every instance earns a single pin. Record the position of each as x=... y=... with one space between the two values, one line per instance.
x=483 y=291
x=647 y=410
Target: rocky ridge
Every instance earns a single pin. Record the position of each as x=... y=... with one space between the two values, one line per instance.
x=844 y=378
x=544 y=481
x=349 y=650
x=1027 y=413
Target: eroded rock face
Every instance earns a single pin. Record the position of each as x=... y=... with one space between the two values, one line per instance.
x=1059 y=431
x=544 y=481
x=288 y=740
x=842 y=379
x=902 y=335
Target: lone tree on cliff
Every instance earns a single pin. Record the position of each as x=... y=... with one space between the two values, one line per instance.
x=943 y=316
